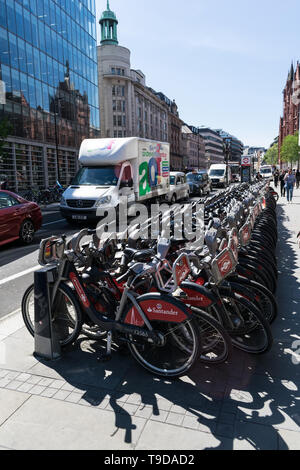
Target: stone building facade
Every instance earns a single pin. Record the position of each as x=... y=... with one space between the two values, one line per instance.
x=128 y=107
x=193 y=148
x=289 y=122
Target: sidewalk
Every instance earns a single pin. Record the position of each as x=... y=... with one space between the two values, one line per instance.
x=79 y=403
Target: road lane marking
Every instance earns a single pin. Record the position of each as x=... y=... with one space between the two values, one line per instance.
x=52 y=223
x=16 y=276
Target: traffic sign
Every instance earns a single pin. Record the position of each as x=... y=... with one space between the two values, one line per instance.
x=246 y=161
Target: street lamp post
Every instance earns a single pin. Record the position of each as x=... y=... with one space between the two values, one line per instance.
x=226 y=151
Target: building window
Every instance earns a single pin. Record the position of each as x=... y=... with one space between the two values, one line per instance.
x=113 y=70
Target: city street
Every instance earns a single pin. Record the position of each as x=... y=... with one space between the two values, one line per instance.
x=17 y=262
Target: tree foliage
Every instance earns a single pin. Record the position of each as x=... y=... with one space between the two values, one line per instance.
x=290 y=148
x=271 y=157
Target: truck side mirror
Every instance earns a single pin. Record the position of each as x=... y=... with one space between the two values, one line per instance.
x=126 y=184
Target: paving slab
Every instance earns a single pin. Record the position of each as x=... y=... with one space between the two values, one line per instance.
x=158 y=436
x=251 y=435
x=10 y=401
x=47 y=424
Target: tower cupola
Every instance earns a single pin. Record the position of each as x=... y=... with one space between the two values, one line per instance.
x=108 y=23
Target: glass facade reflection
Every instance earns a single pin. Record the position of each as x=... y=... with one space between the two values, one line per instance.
x=48 y=69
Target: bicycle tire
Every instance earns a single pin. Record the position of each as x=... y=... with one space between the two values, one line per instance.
x=160 y=360
x=255 y=328
x=216 y=342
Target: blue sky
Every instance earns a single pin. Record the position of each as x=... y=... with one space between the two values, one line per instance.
x=225 y=62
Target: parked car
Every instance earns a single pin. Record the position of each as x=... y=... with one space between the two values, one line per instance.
x=194 y=182
x=179 y=188
x=206 y=183
x=19 y=219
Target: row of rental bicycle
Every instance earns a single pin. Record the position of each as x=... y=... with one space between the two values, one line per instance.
x=172 y=305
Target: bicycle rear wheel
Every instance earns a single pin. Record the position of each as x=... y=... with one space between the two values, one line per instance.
x=250 y=332
x=180 y=347
x=216 y=342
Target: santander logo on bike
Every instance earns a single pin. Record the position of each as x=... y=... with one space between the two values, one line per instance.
x=159 y=309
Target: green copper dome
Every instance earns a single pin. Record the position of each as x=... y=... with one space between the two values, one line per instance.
x=108 y=23
x=108 y=14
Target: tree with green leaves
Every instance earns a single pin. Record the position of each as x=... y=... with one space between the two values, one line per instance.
x=271 y=157
x=290 y=149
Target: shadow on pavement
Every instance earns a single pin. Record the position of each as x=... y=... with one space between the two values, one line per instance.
x=251 y=401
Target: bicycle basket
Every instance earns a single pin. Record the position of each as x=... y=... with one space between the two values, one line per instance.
x=50 y=251
x=223 y=265
x=245 y=234
x=181 y=269
x=169 y=278
x=233 y=244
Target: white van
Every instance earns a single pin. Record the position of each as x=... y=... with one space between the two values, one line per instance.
x=112 y=168
x=266 y=172
x=217 y=175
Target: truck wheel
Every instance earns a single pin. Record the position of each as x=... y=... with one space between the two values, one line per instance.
x=174 y=199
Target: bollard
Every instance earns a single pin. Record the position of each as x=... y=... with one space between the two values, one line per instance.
x=46 y=336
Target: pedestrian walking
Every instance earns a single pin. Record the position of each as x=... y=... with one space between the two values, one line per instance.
x=276 y=178
x=282 y=183
x=290 y=181
x=298 y=178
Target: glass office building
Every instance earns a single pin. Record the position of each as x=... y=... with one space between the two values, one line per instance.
x=48 y=88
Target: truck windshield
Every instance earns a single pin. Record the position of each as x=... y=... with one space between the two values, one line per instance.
x=172 y=180
x=265 y=171
x=105 y=176
x=216 y=172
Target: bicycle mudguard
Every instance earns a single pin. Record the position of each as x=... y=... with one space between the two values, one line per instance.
x=158 y=307
x=242 y=291
x=197 y=296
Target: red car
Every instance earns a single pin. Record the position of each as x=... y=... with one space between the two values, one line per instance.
x=19 y=219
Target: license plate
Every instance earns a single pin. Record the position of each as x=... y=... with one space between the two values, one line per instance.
x=79 y=217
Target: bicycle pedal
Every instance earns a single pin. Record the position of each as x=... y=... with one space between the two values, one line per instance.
x=104 y=357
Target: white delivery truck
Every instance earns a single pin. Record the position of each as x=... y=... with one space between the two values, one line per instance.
x=112 y=168
x=217 y=174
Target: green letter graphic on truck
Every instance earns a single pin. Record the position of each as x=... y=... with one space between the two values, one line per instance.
x=153 y=169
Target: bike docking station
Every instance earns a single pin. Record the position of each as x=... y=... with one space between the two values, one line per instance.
x=50 y=319
x=46 y=334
